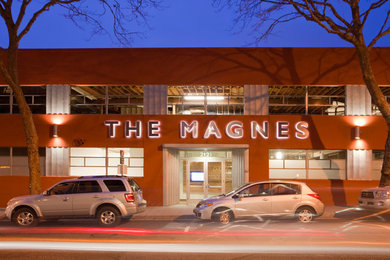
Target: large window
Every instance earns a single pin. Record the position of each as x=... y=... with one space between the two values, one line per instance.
x=35 y=98
x=307 y=164
x=106 y=161
x=376 y=164
x=309 y=100
x=125 y=100
x=202 y=100
x=386 y=91
x=14 y=161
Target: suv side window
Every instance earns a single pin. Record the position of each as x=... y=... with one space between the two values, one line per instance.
x=63 y=188
x=285 y=189
x=88 y=187
x=115 y=185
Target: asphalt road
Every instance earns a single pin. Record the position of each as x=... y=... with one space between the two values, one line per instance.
x=349 y=235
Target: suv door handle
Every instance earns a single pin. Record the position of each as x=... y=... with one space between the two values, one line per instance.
x=96 y=197
x=65 y=199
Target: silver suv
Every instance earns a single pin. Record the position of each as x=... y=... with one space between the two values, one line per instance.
x=272 y=198
x=106 y=198
x=375 y=198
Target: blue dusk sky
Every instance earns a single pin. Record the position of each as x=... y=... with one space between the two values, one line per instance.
x=182 y=23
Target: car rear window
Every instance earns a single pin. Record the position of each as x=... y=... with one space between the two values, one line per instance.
x=134 y=185
x=115 y=185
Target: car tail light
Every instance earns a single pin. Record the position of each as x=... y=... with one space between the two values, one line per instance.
x=129 y=197
x=315 y=195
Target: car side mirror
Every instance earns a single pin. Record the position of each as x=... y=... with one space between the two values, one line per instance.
x=238 y=196
x=46 y=193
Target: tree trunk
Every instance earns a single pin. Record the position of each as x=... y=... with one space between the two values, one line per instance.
x=379 y=100
x=28 y=122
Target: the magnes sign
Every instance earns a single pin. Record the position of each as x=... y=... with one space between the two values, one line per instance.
x=191 y=129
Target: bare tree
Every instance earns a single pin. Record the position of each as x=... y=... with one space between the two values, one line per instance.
x=20 y=16
x=344 y=18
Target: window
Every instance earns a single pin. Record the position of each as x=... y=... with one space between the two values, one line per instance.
x=88 y=187
x=256 y=190
x=313 y=100
x=63 y=188
x=376 y=164
x=89 y=161
x=386 y=92
x=134 y=186
x=35 y=98
x=124 y=100
x=285 y=189
x=210 y=100
x=14 y=161
x=307 y=164
x=115 y=185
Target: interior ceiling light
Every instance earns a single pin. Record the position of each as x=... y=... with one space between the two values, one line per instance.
x=199 y=98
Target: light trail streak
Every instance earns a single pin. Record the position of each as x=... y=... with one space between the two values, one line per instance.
x=192 y=248
x=150 y=232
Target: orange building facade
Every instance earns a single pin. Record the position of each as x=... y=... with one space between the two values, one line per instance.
x=189 y=123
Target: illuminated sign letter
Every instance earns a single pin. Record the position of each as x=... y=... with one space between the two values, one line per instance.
x=154 y=129
x=189 y=128
x=137 y=129
x=112 y=124
x=302 y=130
x=282 y=130
x=212 y=129
x=256 y=128
x=234 y=130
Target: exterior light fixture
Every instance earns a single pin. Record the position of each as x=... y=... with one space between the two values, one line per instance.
x=55 y=130
x=356 y=132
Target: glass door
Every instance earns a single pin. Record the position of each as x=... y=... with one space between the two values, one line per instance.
x=196 y=180
x=204 y=178
x=215 y=179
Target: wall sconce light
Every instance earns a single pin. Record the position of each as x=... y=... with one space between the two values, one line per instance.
x=55 y=130
x=356 y=131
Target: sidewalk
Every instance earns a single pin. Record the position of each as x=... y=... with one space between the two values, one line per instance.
x=184 y=212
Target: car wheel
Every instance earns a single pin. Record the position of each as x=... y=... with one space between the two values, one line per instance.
x=25 y=217
x=223 y=216
x=305 y=214
x=108 y=216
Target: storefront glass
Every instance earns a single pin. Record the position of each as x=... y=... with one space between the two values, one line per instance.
x=106 y=161
x=307 y=164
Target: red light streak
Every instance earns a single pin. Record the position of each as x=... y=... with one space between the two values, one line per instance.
x=150 y=232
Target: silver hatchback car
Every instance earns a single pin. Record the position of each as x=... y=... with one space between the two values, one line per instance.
x=266 y=198
x=106 y=198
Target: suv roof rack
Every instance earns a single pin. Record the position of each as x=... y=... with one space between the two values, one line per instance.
x=102 y=176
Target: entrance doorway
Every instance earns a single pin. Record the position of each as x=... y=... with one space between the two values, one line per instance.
x=205 y=177
x=193 y=171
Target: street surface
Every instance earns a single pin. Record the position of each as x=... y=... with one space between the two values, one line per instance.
x=351 y=234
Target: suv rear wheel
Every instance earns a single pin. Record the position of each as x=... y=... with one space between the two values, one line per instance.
x=108 y=216
x=25 y=217
x=305 y=214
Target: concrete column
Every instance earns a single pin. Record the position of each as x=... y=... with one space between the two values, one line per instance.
x=57 y=161
x=171 y=178
x=359 y=165
x=155 y=99
x=358 y=102
x=57 y=102
x=256 y=99
x=57 y=99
